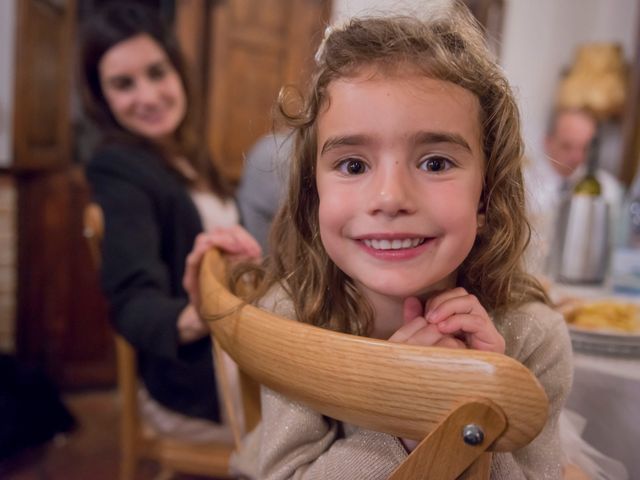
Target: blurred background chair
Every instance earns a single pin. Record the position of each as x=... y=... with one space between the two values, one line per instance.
x=138 y=440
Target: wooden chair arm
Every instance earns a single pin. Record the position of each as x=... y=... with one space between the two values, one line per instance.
x=404 y=390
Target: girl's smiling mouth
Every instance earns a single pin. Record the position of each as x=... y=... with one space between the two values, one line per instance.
x=393 y=244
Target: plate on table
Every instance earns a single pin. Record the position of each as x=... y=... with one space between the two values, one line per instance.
x=606 y=326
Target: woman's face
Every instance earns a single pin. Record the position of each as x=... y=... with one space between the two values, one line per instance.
x=143 y=89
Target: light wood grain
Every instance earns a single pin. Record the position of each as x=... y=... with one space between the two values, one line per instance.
x=400 y=389
x=426 y=460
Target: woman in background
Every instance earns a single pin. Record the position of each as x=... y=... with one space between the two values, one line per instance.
x=158 y=190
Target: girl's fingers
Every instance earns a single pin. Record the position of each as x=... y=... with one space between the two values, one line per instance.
x=463 y=322
x=465 y=304
x=411 y=308
x=441 y=297
x=427 y=336
x=447 y=341
x=408 y=330
x=479 y=331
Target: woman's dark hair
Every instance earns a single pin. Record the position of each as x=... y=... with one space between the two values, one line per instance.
x=115 y=23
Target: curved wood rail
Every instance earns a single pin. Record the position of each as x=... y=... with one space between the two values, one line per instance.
x=404 y=390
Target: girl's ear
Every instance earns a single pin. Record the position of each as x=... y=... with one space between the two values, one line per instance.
x=481 y=219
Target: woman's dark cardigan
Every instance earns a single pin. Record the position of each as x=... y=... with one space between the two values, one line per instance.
x=150 y=226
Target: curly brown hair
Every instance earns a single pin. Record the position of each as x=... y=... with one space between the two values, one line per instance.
x=446 y=47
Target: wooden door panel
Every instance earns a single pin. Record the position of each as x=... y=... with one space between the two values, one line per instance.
x=268 y=15
x=43 y=73
x=250 y=93
x=257 y=47
x=61 y=315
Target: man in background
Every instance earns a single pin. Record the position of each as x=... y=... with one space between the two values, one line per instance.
x=552 y=179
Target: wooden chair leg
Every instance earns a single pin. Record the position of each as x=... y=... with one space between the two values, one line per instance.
x=443 y=454
x=130 y=421
x=480 y=469
x=165 y=474
x=128 y=465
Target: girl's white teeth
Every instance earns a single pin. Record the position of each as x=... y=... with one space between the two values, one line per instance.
x=395 y=244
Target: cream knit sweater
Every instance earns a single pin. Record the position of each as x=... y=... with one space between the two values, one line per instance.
x=295 y=442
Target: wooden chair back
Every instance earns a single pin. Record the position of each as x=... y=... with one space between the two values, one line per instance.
x=138 y=440
x=440 y=397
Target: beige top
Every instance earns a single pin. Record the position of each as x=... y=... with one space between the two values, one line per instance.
x=214 y=212
x=294 y=441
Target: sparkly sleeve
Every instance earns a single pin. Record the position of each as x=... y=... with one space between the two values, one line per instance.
x=544 y=347
x=295 y=442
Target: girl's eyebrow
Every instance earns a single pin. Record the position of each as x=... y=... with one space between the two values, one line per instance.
x=334 y=142
x=419 y=138
x=425 y=138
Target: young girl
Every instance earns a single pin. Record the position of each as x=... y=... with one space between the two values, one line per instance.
x=405 y=221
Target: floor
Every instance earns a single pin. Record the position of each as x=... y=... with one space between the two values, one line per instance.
x=89 y=453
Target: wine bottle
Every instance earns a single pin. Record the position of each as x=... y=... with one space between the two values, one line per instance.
x=589 y=185
x=584 y=247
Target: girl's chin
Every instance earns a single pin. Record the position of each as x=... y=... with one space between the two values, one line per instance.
x=423 y=292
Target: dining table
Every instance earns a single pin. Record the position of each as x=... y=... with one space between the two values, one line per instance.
x=606 y=381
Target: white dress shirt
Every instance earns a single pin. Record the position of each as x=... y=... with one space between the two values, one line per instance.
x=545 y=189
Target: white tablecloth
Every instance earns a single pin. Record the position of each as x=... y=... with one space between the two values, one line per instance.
x=606 y=391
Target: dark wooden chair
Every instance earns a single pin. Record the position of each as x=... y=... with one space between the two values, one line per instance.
x=138 y=440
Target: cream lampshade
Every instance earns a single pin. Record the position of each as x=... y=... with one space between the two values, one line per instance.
x=597 y=81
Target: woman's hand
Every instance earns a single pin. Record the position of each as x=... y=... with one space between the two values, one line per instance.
x=456 y=312
x=235 y=242
x=190 y=326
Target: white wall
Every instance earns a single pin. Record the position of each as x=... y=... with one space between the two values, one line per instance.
x=539 y=40
x=7 y=69
x=348 y=8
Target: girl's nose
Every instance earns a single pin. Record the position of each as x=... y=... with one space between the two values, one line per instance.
x=392 y=192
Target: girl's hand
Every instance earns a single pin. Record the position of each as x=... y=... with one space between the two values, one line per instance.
x=417 y=331
x=235 y=242
x=458 y=313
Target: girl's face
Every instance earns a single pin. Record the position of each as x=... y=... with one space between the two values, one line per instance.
x=399 y=176
x=142 y=88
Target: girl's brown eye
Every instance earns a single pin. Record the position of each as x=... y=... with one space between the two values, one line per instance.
x=435 y=164
x=355 y=167
x=352 y=166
